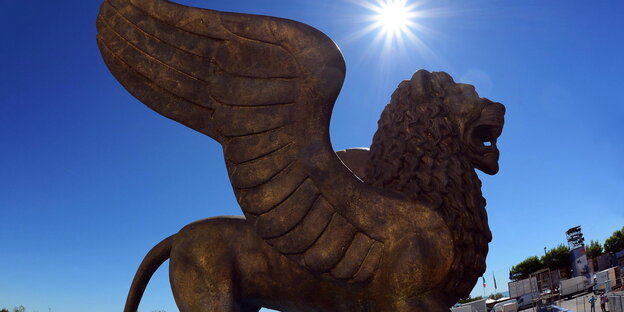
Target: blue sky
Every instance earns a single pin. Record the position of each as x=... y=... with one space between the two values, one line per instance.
x=90 y=179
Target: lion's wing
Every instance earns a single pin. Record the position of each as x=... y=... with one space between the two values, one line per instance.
x=264 y=88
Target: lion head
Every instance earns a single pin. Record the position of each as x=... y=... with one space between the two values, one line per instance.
x=431 y=137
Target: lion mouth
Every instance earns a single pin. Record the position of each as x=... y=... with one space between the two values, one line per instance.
x=485 y=136
x=485 y=132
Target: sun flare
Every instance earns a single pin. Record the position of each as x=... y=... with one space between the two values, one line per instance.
x=395 y=23
x=393 y=16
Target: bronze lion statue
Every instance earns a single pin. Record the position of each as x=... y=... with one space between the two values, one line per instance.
x=399 y=227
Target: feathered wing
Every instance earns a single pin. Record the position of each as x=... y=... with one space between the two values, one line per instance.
x=264 y=88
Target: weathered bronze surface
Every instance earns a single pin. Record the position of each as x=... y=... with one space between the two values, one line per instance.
x=401 y=227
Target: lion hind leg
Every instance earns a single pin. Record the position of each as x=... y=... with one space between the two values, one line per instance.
x=202 y=284
x=203 y=271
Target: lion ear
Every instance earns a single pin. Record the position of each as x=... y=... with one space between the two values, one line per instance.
x=421 y=83
x=425 y=83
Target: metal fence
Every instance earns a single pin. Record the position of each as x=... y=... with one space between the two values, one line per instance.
x=582 y=304
x=616 y=302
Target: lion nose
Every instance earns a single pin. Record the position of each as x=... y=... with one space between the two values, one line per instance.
x=493 y=114
x=495 y=106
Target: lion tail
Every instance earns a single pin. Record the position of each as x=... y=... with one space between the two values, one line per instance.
x=154 y=258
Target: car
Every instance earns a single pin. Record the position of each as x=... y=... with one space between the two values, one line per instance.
x=506 y=306
x=526 y=300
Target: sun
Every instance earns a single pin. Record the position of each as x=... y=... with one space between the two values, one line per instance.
x=395 y=23
x=393 y=16
x=395 y=19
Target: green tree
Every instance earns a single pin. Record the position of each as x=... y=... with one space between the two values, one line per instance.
x=19 y=309
x=557 y=258
x=496 y=296
x=470 y=299
x=615 y=242
x=524 y=268
x=594 y=249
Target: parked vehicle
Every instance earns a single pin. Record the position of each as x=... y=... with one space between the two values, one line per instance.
x=475 y=306
x=462 y=308
x=522 y=287
x=526 y=300
x=573 y=286
x=604 y=280
x=506 y=306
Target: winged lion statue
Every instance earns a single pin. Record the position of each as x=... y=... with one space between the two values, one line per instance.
x=399 y=227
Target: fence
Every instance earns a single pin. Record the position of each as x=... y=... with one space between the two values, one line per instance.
x=581 y=304
x=616 y=302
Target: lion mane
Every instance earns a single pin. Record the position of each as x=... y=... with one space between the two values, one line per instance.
x=418 y=151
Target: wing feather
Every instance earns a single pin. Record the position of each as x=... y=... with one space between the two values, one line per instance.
x=163 y=101
x=285 y=216
x=164 y=75
x=244 y=148
x=262 y=198
x=331 y=245
x=307 y=232
x=370 y=263
x=353 y=258
x=243 y=120
x=264 y=88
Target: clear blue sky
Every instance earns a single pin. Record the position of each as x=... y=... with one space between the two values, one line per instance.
x=90 y=179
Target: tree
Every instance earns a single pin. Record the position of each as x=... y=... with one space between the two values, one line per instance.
x=496 y=296
x=524 y=268
x=470 y=299
x=615 y=242
x=557 y=258
x=594 y=249
x=4 y=310
x=19 y=309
